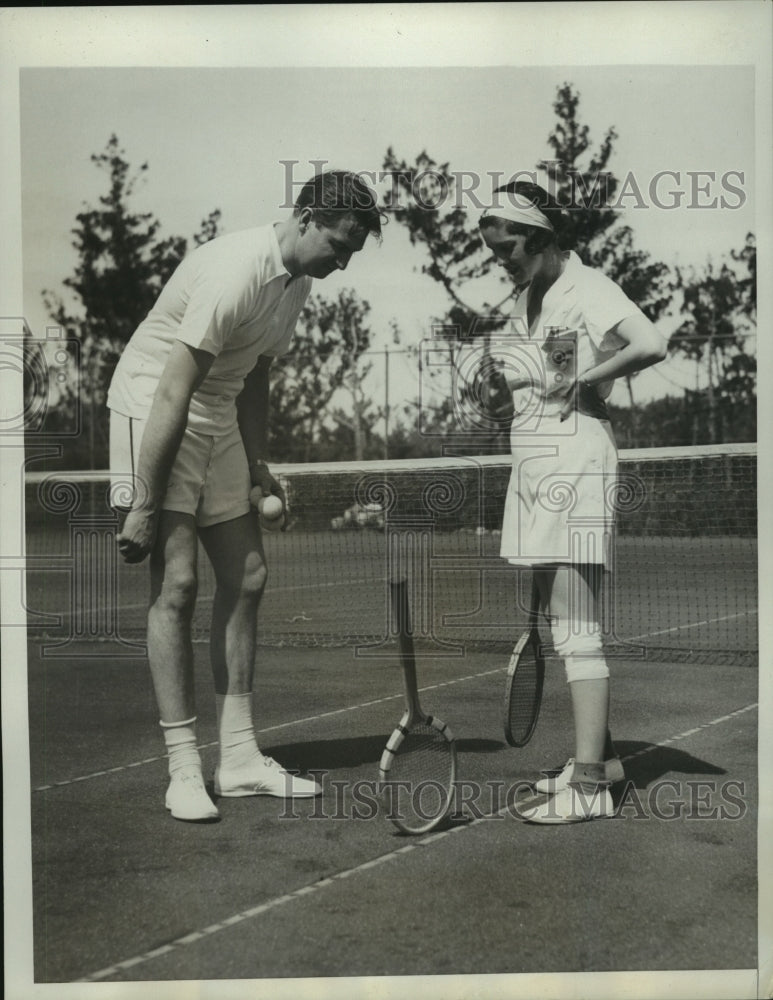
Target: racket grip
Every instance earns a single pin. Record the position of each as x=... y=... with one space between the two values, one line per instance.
x=401 y=614
x=401 y=621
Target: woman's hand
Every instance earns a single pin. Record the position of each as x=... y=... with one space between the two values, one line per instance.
x=585 y=399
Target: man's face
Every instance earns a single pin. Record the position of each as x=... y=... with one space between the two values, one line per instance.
x=323 y=249
x=509 y=250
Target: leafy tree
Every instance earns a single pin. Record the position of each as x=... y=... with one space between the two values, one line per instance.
x=325 y=358
x=747 y=281
x=458 y=259
x=456 y=252
x=338 y=442
x=123 y=264
x=597 y=236
x=720 y=312
x=424 y=438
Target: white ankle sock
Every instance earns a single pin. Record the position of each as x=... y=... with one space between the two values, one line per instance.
x=180 y=739
x=235 y=730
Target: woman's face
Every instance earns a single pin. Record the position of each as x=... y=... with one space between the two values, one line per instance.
x=508 y=248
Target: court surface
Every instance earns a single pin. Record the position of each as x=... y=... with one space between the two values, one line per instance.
x=328 y=888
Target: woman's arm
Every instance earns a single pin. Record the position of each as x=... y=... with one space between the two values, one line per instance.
x=643 y=347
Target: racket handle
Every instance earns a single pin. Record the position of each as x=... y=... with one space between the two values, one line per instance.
x=401 y=613
x=401 y=617
x=534 y=603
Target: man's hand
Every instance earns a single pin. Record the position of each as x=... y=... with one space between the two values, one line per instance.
x=260 y=475
x=138 y=535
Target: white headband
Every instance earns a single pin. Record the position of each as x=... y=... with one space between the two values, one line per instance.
x=519 y=209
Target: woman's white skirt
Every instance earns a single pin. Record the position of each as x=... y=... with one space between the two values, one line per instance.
x=561 y=498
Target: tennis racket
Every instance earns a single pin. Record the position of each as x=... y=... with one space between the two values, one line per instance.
x=525 y=676
x=418 y=766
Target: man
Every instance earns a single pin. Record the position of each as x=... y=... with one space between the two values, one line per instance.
x=189 y=407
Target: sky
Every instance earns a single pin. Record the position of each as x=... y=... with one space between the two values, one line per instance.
x=215 y=98
x=242 y=139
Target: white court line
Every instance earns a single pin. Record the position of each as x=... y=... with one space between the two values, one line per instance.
x=337 y=711
x=270 y=729
x=314 y=887
x=205 y=746
x=681 y=628
x=208 y=598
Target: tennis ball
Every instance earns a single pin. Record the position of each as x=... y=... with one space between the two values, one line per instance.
x=270 y=507
x=256 y=496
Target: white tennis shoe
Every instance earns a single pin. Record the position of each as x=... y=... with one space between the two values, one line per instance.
x=187 y=799
x=557 y=779
x=263 y=776
x=572 y=804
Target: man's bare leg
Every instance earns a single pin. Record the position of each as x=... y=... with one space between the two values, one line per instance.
x=235 y=549
x=170 y=652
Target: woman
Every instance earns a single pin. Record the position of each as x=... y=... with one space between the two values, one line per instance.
x=575 y=332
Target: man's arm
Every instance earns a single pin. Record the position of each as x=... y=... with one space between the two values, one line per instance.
x=252 y=406
x=252 y=411
x=184 y=372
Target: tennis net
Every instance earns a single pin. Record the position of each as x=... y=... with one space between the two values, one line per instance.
x=683 y=586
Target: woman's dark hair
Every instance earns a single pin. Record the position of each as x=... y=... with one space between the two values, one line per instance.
x=538 y=239
x=335 y=193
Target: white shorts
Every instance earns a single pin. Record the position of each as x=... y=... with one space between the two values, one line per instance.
x=210 y=478
x=560 y=503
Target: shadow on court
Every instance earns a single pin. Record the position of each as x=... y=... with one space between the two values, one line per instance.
x=480 y=746
x=329 y=755
x=651 y=762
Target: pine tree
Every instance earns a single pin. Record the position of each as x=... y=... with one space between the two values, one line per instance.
x=331 y=338
x=123 y=263
x=458 y=260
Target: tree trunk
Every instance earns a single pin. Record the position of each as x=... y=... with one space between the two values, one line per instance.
x=359 y=436
x=712 y=397
x=386 y=403
x=634 y=433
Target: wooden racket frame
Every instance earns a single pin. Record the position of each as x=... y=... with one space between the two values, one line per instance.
x=401 y=617
x=530 y=638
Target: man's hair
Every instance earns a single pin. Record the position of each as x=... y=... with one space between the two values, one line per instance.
x=538 y=239
x=335 y=193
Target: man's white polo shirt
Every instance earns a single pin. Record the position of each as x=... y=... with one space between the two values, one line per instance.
x=232 y=297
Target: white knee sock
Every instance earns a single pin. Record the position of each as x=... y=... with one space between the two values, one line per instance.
x=235 y=730
x=180 y=739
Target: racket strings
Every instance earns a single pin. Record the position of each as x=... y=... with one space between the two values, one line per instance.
x=420 y=779
x=525 y=696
